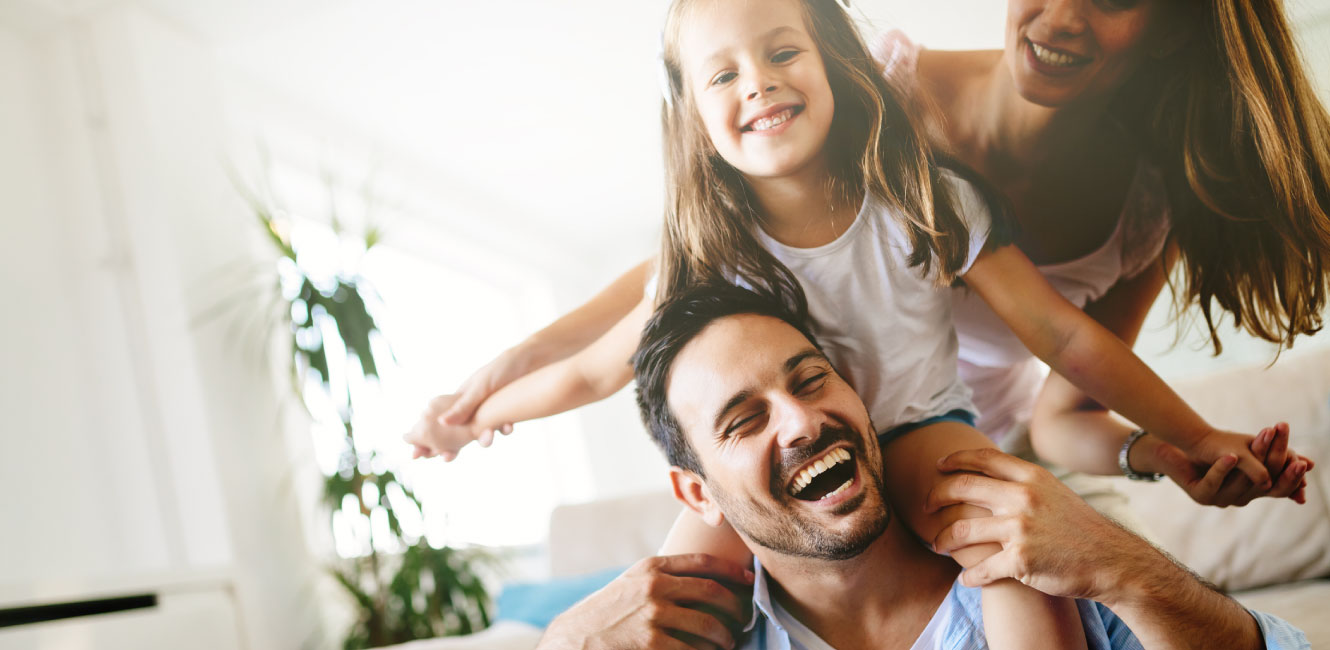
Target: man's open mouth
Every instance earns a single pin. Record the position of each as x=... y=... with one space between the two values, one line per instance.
x=829 y=475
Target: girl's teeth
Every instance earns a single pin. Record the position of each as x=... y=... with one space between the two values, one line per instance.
x=1049 y=57
x=772 y=122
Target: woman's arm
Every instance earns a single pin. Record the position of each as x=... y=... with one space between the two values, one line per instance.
x=559 y=340
x=1094 y=359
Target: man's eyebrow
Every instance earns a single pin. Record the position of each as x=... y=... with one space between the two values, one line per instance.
x=811 y=353
x=720 y=53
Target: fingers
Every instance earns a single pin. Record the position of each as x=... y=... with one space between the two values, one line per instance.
x=1299 y=496
x=991 y=462
x=993 y=568
x=1205 y=490
x=1290 y=480
x=690 y=621
x=1233 y=489
x=1252 y=468
x=973 y=489
x=486 y=437
x=698 y=565
x=1260 y=445
x=706 y=592
x=1276 y=458
x=465 y=407
x=968 y=532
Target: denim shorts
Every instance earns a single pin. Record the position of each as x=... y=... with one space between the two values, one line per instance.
x=955 y=415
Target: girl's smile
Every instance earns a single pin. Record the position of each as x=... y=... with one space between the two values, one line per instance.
x=757 y=80
x=773 y=120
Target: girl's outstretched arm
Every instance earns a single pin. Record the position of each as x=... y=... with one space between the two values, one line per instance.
x=559 y=340
x=1091 y=357
x=593 y=374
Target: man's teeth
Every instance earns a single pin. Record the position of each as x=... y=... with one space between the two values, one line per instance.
x=807 y=474
x=1049 y=57
x=838 y=490
x=773 y=121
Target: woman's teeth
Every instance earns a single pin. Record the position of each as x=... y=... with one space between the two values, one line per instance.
x=773 y=121
x=1049 y=57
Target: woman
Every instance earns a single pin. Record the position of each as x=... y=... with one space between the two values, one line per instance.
x=1125 y=135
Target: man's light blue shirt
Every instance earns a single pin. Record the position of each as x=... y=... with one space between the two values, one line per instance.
x=958 y=624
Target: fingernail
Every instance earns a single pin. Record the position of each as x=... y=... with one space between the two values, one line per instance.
x=749 y=575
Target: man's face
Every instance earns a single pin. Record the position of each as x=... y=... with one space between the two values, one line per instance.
x=788 y=451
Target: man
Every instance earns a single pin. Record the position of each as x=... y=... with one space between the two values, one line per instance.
x=754 y=420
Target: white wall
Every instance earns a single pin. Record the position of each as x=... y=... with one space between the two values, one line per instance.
x=145 y=447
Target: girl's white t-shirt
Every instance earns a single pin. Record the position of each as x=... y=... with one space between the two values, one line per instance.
x=887 y=328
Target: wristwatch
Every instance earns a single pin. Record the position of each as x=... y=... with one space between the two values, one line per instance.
x=1123 y=465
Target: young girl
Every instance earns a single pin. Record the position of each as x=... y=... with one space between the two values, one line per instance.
x=794 y=169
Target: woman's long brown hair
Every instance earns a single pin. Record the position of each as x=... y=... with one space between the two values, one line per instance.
x=1244 y=145
x=875 y=145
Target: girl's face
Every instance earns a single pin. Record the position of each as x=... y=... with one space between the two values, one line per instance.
x=758 y=83
x=1062 y=51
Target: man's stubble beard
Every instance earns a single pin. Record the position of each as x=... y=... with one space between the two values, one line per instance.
x=783 y=528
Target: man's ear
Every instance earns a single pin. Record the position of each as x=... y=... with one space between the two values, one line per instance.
x=689 y=488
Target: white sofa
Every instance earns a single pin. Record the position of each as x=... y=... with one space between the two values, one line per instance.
x=1272 y=555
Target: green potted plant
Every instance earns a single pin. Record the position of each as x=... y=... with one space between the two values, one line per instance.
x=403 y=588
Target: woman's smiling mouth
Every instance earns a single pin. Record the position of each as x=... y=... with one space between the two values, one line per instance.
x=1053 y=62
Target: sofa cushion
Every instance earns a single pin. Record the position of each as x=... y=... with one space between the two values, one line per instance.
x=537 y=603
x=1268 y=541
x=587 y=537
x=1301 y=603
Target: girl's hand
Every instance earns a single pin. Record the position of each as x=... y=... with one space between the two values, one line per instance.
x=1216 y=445
x=432 y=437
x=1218 y=484
x=503 y=370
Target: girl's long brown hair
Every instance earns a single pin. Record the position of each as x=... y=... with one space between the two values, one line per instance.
x=1244 y=145
x=875 y=145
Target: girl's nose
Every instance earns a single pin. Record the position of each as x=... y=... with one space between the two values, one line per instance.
x=764 y=89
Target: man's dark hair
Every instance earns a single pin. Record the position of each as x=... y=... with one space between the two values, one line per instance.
x=672 y=326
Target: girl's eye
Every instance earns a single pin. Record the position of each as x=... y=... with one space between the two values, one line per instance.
x=784 y=56
x=723 y=78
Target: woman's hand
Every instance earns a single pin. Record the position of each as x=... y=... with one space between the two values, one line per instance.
x=1218 y=483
